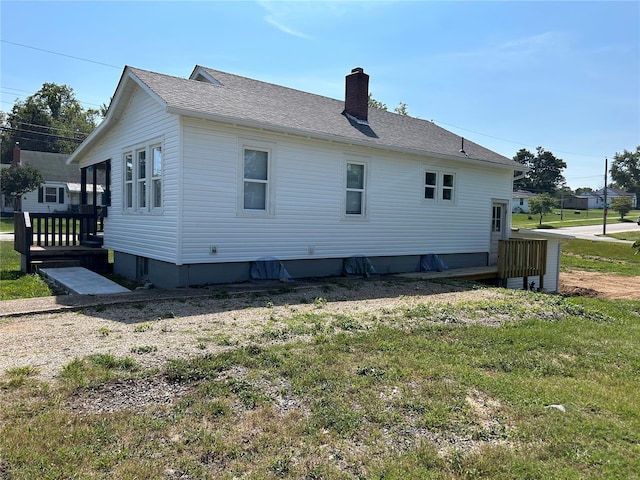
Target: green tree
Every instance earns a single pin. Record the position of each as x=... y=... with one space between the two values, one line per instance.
x=541 y=205
x=17 y=180
x=50 y=120
x=545 y=171
x=622 y=205
x=401 y=109
x=625 y=170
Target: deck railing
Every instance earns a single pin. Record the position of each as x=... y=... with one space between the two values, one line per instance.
x=522 y=258
x=52 y=229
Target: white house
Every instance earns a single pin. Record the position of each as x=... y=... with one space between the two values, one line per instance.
x=213 y=172
x=61 y=189
x=520 y=201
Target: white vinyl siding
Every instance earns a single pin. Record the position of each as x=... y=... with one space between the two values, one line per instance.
x=310 y=205
x=144 y=123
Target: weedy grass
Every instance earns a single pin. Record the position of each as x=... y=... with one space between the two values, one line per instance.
x=605 y=257
x=424 y=397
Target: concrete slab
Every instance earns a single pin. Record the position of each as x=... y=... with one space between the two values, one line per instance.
x=79 y=280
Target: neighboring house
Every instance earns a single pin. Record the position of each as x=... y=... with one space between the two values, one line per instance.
x=595 y=200
x=213 y=172
x=613 y=192
x=520 y=201
x=60 y=191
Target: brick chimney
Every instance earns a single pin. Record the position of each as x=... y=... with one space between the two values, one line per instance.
x=356 y=99
x=16 y=154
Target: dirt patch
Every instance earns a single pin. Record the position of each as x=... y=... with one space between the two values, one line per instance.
x=594 y=284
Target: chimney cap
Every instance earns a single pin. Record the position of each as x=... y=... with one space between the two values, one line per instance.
x=357 y=70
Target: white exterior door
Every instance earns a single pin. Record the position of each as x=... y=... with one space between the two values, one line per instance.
x=498 y=229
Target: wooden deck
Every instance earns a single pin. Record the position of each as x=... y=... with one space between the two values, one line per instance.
x=469 y=273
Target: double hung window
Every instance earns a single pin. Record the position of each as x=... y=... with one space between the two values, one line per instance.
x=143 y=168
x=355 y=192
x=255 y=180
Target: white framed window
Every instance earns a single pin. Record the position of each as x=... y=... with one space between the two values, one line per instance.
x=128 y=180
x=50 y=195
x=255 y=179
x=439 y=187
x=141 y=178
x=496 y=218
x=448 y=185
x=156 y=176
x=142 y=173
x=430 y=185
x=355 y=199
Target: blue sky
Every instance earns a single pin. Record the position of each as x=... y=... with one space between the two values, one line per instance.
x=507 y=75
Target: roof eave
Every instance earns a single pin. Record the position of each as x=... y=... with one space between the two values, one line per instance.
x=112 y=113
x=335 y=138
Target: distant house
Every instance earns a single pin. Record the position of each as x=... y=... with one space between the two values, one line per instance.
x=214 y=172
x=595 y=200
x=520 y=201
x=61 y=189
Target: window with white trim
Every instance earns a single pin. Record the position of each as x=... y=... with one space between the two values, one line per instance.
x=255 y=180
x=439 y=187
x=50 y=194
x=128 y=180
x=430 y=185
x=447 y=187
x=156 y=176
x=142 y=171
x=355 y=189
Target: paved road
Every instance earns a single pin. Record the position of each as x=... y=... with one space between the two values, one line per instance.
x=594 y=232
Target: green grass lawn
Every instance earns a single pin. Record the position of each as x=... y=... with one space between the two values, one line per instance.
x=631 y=236
x=13 y=283
x=604 y=257
x=569 y=219
x=426 y=395
x=6 y=224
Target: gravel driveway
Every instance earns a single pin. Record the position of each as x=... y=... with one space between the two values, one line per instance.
x=154 y=330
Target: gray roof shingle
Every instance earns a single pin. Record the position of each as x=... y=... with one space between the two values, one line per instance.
x=249 y=101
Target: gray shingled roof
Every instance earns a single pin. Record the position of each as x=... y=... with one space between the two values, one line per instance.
x=52 y=166
x=252 y=102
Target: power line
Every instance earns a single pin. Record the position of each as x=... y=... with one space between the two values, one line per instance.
x=49 y=127
x=517 y=143
x=53 y=136
x=61 y=54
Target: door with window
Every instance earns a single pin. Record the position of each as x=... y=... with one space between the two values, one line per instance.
x=498 y=229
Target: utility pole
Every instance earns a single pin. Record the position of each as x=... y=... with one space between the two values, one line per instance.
x=606 y=206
